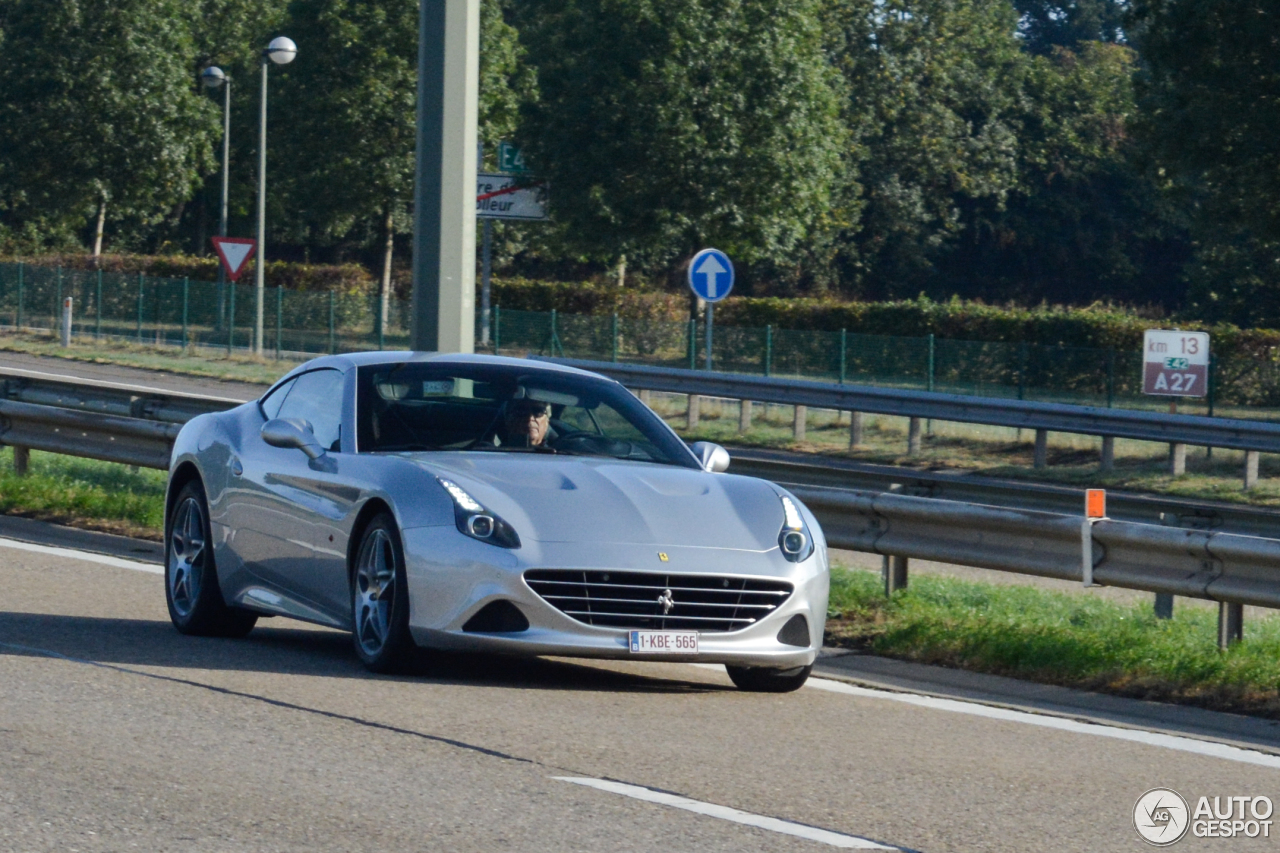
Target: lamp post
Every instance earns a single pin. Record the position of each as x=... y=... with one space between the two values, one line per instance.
x=213 y=77
x=281 y=51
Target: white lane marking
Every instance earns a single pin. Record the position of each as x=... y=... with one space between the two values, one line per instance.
x=957 y=706
x=773 y=824
x=88 y=556
x=106 y=383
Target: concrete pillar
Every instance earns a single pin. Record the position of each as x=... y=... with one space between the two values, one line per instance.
x=1250 y=469
x=744 y=416
x=801 y=416
x=913 y=437
x=694 y=404
x=644 y=395
x=855 y=429
x=1108 y=453
x=1177 y=459
x=894 y=570
x=1230 y=623
x=21 y=460
x=444 y=241
x=1042 y=449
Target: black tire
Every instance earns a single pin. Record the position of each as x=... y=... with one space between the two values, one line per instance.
x=380 y=599
x=191 y=589
x=757 y=679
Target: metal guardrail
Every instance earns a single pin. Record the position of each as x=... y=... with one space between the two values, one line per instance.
x=1229 y=433
x=87 y=419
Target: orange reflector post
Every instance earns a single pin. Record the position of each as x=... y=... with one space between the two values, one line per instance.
x=1095 y=503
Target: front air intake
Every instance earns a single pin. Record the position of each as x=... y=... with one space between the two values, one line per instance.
x=497 y=617
x=644 y=600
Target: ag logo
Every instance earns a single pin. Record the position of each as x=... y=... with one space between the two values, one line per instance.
x=1161 y=816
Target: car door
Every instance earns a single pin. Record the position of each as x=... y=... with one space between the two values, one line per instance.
x=281 y=507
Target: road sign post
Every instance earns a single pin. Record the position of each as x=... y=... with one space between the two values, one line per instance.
x=711 y=279
x=1175 y=364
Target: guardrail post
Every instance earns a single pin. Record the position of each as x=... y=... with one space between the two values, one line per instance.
x=1042 y=449
x=744 y=416
x=1108 y=452
x=799 y=423
x=644 y=396
x=694 y=401
x=1164 y=605
x=1230 y=623
x=21 y=460
x=913 y=437
x=1250 y=469
x=894 y=570
x=855 y=429
x=1177 y=459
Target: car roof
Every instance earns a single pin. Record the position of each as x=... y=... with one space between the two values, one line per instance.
x=345 y=361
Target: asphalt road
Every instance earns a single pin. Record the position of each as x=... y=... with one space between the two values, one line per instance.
x=117 y=733
x=55 y=368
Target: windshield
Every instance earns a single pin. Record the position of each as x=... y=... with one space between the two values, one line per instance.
x=506 y=409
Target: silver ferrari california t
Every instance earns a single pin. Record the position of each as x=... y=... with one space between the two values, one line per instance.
x=461 y=502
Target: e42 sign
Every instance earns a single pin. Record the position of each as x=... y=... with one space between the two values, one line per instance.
x=1175 y=364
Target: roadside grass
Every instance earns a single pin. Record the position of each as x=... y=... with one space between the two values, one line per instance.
x=85 y=493
x=1074 y=640
x=195 y=361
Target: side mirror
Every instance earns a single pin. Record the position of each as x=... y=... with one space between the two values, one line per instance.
x=292 y=433
x=713 y=457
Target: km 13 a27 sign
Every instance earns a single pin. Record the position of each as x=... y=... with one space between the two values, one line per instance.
x=1175 y=364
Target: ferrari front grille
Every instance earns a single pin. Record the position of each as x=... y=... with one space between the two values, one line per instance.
x=644 y=600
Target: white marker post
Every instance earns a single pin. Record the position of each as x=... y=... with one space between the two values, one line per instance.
x=66 y=322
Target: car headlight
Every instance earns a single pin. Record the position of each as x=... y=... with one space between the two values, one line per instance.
x=794 y=539
x=477 y=522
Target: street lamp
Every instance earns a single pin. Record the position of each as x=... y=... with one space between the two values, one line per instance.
x=213 y=77
x=281 y=51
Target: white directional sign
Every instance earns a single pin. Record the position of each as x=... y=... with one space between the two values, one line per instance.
x=1175 y=364
x=711 y=275
x=235 y=252
x=500 y=196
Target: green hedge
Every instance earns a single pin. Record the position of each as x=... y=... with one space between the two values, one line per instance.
x=292 y=276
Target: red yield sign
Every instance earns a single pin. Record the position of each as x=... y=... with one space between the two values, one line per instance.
x=1175 y=364
x=235 y=252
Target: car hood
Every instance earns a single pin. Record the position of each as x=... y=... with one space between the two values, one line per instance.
x=591 y=499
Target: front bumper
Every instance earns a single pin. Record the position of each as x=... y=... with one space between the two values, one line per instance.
x=452 y=577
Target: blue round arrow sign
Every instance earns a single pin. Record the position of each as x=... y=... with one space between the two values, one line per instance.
x=711 y=275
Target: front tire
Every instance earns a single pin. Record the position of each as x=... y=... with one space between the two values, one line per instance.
x=757 y=679
x=380 y=599
x=196 y=605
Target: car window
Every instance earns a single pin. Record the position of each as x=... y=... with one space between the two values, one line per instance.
x=271 y=405
x=316 y=397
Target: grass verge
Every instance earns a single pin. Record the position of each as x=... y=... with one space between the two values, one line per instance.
x=85 y=493
x=1060 y=638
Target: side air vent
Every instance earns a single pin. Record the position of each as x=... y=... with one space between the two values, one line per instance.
x=497 y=617
x=795 y=632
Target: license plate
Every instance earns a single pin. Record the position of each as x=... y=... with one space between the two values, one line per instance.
x=664 y=642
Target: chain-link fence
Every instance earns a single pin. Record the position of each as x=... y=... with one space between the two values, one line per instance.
x=176 y=312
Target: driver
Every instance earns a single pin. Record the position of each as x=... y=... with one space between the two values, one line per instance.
x=528 y=423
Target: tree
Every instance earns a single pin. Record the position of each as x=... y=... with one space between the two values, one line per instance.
x=1046 y=24
x=99 y=111
x=934 y=93
x=666 y=125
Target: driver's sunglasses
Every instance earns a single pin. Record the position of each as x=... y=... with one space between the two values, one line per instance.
x=527 y=411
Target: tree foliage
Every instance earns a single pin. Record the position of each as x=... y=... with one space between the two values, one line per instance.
x=664 y=125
